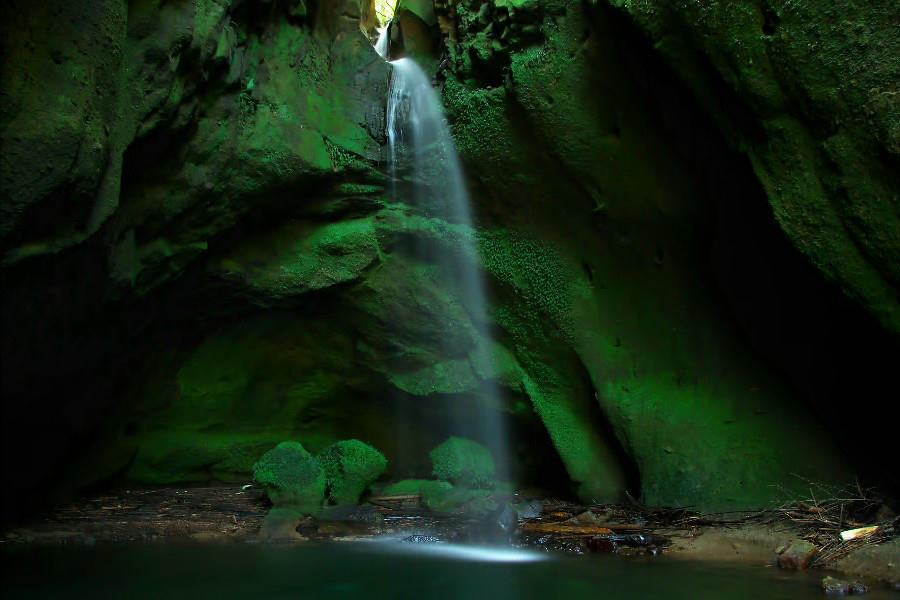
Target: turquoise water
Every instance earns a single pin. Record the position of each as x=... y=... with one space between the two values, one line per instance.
x=376 y=570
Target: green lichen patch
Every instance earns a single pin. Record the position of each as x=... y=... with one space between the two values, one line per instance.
x=291 y=475
x=350 y=467
x=464 y=462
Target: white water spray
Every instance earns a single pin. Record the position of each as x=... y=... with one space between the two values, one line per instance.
x=416 y=127
x=381 y=46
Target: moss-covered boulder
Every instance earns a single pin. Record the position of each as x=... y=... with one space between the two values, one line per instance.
x=430 y=490
x=350 y=467
x=443 y=496
x=454 y=498
x=464 y=462
x=291 y=476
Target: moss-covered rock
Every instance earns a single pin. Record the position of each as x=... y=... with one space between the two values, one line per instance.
x=458 y=499
x=443 y=496
x=350 y=467
x=464 y=463
x=808 y=90
x=428 y=488
x=607 y=307
x=291 y=476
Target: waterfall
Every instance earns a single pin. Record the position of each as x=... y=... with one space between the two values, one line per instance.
x=381 y=46
x=416 y=129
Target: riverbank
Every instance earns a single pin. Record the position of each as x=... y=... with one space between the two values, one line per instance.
x=223 y=515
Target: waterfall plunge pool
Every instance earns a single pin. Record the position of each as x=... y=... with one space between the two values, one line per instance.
x=381 y=570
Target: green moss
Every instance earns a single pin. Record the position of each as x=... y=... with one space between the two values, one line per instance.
x=445 y=377
x=479 y=128
x=442 y=496
x=209 y=412
x=171 y=456
x=601 y=326
x=458 y=498
x=414 y=486
x=300 y=257
x=350 y=467
x=291 y=476
x=464 y=463
x=813 y=79
x=536 y=271
x=412 y=316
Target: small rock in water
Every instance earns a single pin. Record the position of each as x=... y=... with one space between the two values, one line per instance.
x=601 y=544
x=838 y=587
x=587 y=518
x=858 y=588
x=496 y=527
x=797 y=556
x=644 y=543
x=281 y=525
x=528 y=510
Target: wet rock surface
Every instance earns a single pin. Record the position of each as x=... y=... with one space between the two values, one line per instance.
x=149 y=515
x=797 y=555
x=242 y=515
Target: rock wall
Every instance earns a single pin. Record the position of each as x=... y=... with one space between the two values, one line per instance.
x=204 y=253
x=809 y=91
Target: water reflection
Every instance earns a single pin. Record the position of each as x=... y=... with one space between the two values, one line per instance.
x=374 y=570
x=467 y=552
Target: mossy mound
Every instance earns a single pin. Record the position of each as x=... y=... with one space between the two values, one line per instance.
x=350 y=466
x=291 y=475
x=427 y=488
x=457 y=498
x=464 y=462
x=443 y=496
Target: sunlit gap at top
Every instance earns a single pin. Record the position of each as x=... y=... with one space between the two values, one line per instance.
x=384 y=11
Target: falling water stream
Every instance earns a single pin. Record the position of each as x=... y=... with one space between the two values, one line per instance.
x=418 y=132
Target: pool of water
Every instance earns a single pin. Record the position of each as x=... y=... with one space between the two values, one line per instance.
x=381 y=570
